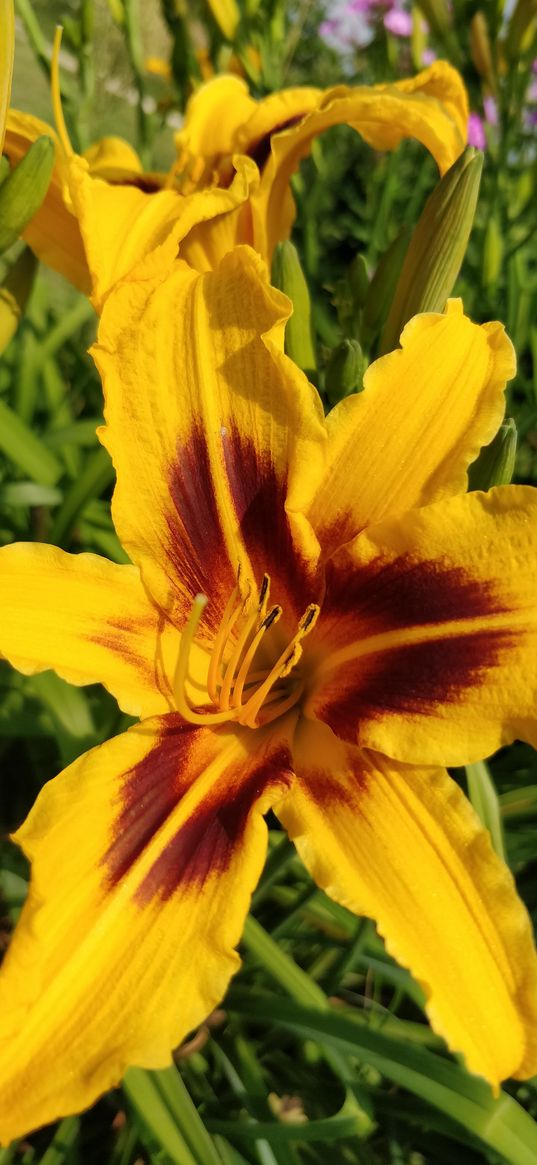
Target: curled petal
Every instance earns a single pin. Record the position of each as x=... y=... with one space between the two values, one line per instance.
x=429 y=629
x=403 y=846
x=444 y=394
x=89 y=620
x=144 y=855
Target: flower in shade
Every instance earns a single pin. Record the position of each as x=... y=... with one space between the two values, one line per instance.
x=104 y=217
x=318 y=620
x=476 y=132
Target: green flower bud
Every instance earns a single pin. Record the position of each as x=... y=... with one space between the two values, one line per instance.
x=437 y=247
x=496 y=462
x=288 y=276
x=525 y=12
x=383 y=284
x=344 y=371
x=14 y=295
x=22 y=193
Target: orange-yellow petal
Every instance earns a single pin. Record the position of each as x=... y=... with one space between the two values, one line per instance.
x=213 y=116
x=403 y=846
x=215 y=435
x=432 y=107
x=134 y=229
x=427 y=645
x=424 y=414
x=89 y=620
x=144 y=854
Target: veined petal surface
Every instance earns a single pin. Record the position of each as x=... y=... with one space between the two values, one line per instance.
x=403 y=846
x=215 y=435
x=443 y=393
x=89 y=620
x=213 y=116
x=132 y=229
x=383 y=115
x=144 y=855
x=429 y=626
x=53 y=234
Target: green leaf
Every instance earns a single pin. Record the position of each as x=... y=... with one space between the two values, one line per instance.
x=501 y=1125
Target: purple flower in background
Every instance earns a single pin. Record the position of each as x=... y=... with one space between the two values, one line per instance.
x=491 y=110
x=476 y=132
x=428 y=56
x=398 y=22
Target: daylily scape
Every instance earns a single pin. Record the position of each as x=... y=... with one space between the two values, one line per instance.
x=229 y=184
x=317 y=620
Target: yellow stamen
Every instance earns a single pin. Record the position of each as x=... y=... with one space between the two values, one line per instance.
x=59 y=119
x=282 y=667
x=267 y=622
x=229 y=618
x=183 y=704
x=267 y=689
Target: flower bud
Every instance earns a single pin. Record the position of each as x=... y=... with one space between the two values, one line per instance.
x=480 y=48
x=437 y=247
x=525 y=12
x=436 y=13
x=14 y=295
x=22 y=193
x=7 y=48
x=344 y=371
x=496 y=462
x=288 y=276
x=383 y=284
x=227 y=16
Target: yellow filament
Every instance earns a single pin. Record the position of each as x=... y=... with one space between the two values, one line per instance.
x=231 y=668
x=245 y=666
x=229 y=618
x=243 y=653
x=56 y=94
x=283 y=664
x=183 y=704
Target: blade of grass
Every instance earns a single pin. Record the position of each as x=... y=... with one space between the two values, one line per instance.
x=25 y=450
x=155 y=1118
x=97 y=474
x=63 y=1142
x=501 y=1125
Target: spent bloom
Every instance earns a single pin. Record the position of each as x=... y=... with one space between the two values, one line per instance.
x=104 y=217
x=317 y=621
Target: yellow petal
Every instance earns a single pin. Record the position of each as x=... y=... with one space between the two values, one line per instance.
x=430 y=631
x=422 y=418
x=7 y=47
x=90 y=621
x=215 y=435
x=212 y=118
x=144 y=854
x=130 y=231
x=383 y=115
x=403 y=846
x=53 y=233
x=112 y=158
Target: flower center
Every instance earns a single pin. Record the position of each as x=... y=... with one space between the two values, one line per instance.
x=239 y=689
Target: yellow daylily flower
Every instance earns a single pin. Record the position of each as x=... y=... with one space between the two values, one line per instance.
x=229 y=183
x=318 y=619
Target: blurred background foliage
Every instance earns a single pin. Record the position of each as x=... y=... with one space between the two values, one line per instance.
x=273 y=1078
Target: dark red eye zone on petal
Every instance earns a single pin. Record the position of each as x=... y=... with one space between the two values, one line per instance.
x=410 y=680
x=405 y=678
x=204 y=844
x=198 y=550
x=403 y=592
x=259 y=151
x=258 y=495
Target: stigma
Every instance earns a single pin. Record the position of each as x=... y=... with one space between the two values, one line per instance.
x=239 y=689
